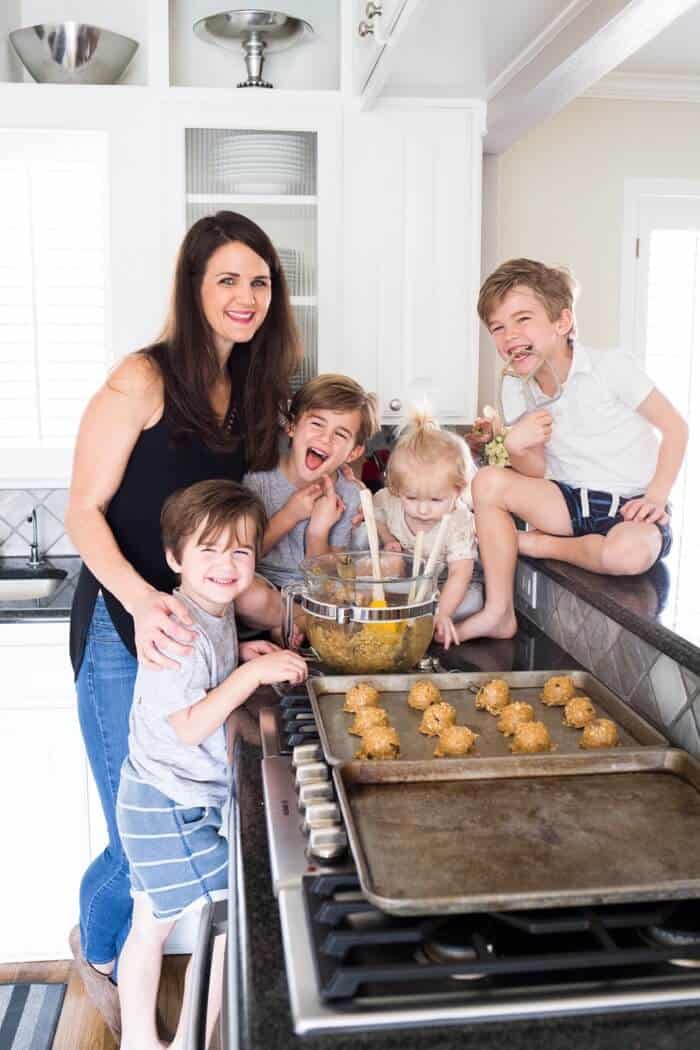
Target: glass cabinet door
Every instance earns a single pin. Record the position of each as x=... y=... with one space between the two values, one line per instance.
x=271 y=177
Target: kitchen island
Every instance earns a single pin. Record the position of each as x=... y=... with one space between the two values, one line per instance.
x=271 y=1021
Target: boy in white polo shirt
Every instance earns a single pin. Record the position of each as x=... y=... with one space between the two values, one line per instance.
x=592 y=471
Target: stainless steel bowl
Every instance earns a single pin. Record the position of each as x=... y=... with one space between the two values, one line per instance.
x=73 y=53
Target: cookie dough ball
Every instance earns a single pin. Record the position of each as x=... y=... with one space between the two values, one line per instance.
x=601 y=732
x=514 y=715
x=380 y=743
x=493 y=696
x=579 y=712
x=454 y=741
x=558 y=690
x=531 y=737
x=361 y=695
x=368 y=718
x=423 y=694
x=436 y=718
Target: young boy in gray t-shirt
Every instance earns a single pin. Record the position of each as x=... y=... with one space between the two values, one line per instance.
x=310 y=502
x=176 y=776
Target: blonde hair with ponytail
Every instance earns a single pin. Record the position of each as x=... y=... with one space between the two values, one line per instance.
x=423 y=443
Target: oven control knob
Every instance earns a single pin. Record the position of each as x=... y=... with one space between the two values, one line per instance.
x=327 y=843
x=311 y=772
x=310 y=793
x=305 y=753
x=321 y=815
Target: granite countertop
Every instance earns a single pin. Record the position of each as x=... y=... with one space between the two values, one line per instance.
x=271 y=1019
x=57 y=607
x=646 y=605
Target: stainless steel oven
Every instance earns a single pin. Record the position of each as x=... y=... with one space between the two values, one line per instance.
x=351 y=967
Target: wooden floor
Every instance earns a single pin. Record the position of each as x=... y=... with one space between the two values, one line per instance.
x=81 y=1026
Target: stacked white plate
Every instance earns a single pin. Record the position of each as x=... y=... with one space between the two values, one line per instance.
x=291 y=264
x=265 y=162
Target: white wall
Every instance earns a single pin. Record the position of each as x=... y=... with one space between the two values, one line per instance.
x=560 y=196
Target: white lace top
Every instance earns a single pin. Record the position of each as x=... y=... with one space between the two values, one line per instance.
x=460 y=537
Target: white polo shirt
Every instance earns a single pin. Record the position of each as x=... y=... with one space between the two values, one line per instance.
x=599 y=441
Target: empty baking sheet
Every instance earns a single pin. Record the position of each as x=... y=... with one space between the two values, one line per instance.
x=446 y=840
x=327 y=695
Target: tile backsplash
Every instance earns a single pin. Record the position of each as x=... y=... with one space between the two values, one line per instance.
x=16 y=506
x=656 y=686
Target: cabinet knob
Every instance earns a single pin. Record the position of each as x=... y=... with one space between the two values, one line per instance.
x=365 y=29
x=395 y=404
x=373 y=10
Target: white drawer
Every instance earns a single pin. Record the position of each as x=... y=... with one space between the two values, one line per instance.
x=36 y=676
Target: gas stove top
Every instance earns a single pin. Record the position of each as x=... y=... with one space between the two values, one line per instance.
x=351 y=966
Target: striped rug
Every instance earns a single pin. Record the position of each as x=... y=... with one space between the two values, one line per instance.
x=29 y=1015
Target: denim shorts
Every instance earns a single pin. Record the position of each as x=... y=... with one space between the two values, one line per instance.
x=176 y=855
x=596 y=512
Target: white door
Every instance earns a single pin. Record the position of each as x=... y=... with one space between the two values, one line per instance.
x=661 y=313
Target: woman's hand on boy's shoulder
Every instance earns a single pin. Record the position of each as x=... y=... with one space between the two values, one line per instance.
x=258 y=647
x=159 y=629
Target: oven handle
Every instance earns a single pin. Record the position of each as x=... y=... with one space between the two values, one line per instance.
x=223 y=916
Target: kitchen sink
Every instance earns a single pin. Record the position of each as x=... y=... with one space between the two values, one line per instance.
x=23 y=582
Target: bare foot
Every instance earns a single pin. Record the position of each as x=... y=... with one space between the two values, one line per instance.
x=533 y=543
x=489 y=623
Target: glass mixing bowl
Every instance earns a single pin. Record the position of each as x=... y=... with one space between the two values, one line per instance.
x=360 y=624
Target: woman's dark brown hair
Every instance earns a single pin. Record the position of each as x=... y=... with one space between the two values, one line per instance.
x=187 y=360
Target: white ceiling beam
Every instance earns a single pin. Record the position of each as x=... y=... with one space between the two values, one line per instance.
x=602 y=35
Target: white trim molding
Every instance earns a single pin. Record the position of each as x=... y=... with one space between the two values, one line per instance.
x=648 y=87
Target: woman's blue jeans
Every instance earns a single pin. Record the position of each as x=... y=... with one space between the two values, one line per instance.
x=105 y=689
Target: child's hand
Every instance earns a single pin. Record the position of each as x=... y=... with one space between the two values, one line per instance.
x=647 y=509
x=445 y=632
x=280 y=666
x=535 y=429
x=328 y=508
x=301 y=504
x=392 y=545
x=349 y=475
x=249 y=650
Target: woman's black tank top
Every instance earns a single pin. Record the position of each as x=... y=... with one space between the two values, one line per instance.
x=157 y=467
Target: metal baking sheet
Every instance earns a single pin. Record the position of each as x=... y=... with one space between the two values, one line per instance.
x=327 y=695
x=445 y=840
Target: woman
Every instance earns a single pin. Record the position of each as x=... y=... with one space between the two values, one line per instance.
x=204 y=402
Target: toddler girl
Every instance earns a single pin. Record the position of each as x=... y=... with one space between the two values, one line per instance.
x=428 y=477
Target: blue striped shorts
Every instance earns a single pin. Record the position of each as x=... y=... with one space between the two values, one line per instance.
x=176 y=854
x=597 y=512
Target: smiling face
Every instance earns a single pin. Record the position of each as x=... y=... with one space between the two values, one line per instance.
x=236 y=292
x=215 y=570
x=519 y=324
x=322 y=440
x=426 y=495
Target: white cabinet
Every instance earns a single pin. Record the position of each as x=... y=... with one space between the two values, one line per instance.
x=411 y=267
x=53 y=823
x=283 y=171
x=44 y=789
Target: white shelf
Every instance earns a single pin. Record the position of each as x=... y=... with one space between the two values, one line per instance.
x=278 y=199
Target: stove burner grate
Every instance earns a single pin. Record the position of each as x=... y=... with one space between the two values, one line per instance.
x=361 y=952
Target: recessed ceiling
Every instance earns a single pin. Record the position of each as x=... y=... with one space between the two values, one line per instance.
x=674 y=52
x=469 y=44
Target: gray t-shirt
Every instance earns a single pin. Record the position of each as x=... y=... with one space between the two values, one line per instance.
x=281 y=564
x=189 y=774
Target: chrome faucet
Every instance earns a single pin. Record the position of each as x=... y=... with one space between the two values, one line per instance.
x=35 y=559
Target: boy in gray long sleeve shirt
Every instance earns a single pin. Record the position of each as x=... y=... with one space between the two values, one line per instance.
x=310 y=503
